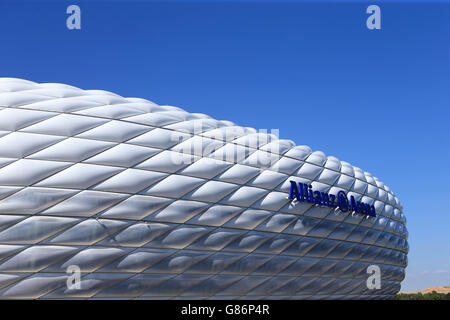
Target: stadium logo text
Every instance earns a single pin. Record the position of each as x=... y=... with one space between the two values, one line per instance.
x=304 y=193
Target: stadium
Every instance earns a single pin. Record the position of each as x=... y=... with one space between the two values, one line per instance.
x=149 y=201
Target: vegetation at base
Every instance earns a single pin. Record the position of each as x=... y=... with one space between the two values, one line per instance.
x=423 y=296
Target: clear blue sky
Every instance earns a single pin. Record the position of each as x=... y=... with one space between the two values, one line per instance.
x=378 y=99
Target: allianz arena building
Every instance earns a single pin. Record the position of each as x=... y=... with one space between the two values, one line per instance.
x=105 y=197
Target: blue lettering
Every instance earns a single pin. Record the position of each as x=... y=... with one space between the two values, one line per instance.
x=293 y=193
x=311 y=195
x=302 y=192
x=354 y=206
x=342 y=201
x=317 y=197
x=332 y=203
x=325 y=199
x=363 y=208
x=306 y=193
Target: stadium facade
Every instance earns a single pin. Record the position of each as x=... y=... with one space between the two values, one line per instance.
x=153 y=202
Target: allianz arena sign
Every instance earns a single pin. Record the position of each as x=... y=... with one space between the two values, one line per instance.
x=305 y=193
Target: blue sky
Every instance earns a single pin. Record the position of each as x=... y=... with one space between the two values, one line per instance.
x=378 y=99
